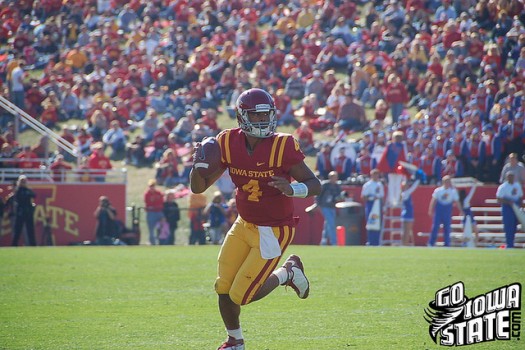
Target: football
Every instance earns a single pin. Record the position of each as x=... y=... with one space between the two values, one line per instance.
x=207 y=158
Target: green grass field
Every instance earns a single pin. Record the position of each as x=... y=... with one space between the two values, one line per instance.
x=162 y=297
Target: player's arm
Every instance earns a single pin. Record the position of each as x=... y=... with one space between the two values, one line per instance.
x=199 y=184
x=306 y=185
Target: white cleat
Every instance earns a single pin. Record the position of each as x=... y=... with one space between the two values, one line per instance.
x=296 y=277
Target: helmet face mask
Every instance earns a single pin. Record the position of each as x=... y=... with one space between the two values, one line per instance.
x=256 y=101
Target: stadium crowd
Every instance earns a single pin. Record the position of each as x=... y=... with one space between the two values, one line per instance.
x=449 y=74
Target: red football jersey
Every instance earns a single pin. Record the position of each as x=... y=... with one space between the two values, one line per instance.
x=257 y=202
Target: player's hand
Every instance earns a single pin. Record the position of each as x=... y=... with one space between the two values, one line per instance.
x=281 y=184
x=196 y=150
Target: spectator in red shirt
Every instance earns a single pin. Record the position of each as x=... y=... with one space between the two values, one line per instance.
x=58 y=168
x=274 y=60
x=396 y=95
x=305 y=136
x=450 y=36
x=12 y=23
x=474 y=50
x=248 y=53
x=435 y=66
x=98 y=161
x=334 y=55
x=51 y=6
x=297 y=48
x=67 y=135
x=154 y=203
x=348 y=10
x=285 y=110
x=330 y=81
x=41 y=148
x=160 y=143
x=381 y=109
x=351 y=115
x=365 y=163
x=24 y=159
x=209 y=118
x=49 y=116
x=168 y=168
x=127 y=90
x=492 y=59
x=35 y=95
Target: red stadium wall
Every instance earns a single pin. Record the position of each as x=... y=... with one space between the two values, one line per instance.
x=70 y=210
x=311 y=225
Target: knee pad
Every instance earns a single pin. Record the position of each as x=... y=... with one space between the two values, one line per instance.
x=222 y=286
x=237 y=295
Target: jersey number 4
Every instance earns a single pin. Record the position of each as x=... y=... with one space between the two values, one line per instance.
x=252 y=187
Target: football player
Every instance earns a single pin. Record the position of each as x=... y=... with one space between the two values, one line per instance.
x=262 y=164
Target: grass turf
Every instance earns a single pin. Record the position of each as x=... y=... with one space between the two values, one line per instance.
x=162 y=297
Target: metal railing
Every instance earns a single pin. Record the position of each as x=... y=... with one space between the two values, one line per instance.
x=39 y=127
x=78 y=176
